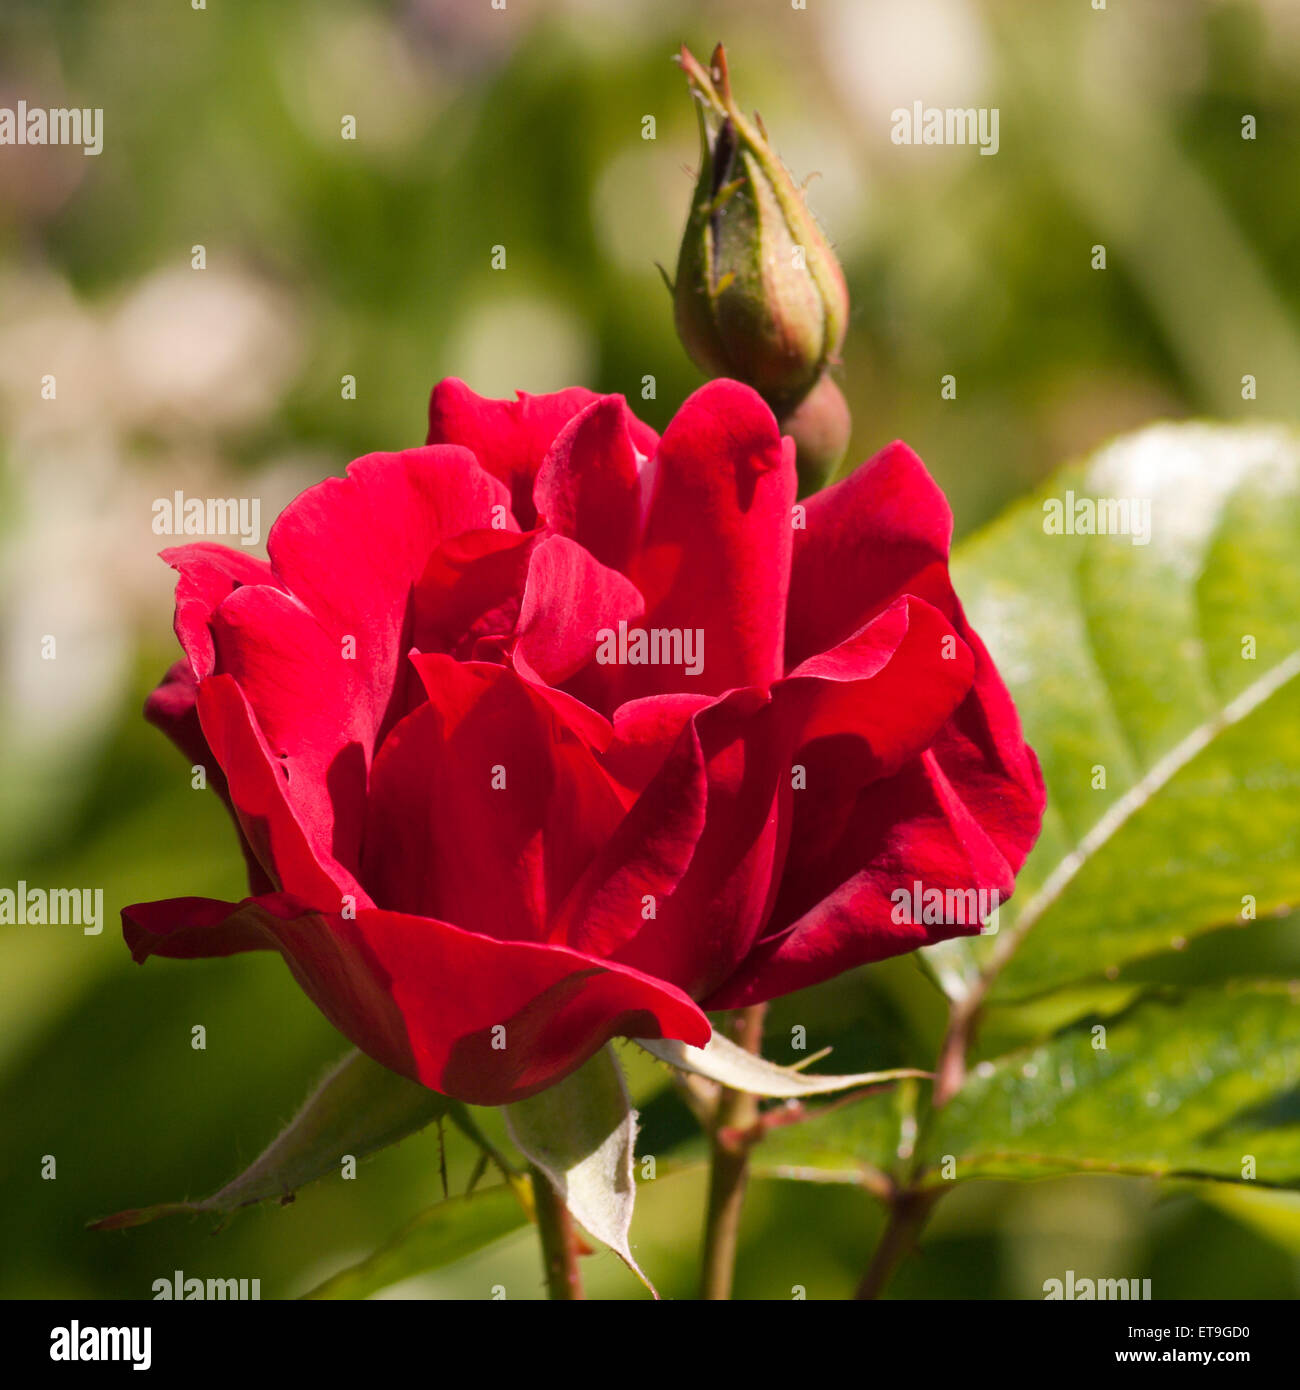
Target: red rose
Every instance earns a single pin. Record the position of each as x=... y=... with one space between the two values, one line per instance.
x=485 y=841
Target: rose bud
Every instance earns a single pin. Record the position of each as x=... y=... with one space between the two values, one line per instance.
x=759 y=294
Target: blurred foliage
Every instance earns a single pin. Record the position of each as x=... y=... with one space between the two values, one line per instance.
x=523 y=128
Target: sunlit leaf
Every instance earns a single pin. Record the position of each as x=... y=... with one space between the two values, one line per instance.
x=1156 y=675
x=1202 y=1084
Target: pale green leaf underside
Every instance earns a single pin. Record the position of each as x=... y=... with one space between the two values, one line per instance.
x=581 y=1133
x=722 y=1061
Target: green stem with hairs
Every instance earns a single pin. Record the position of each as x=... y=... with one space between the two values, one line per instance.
x=559 y=1240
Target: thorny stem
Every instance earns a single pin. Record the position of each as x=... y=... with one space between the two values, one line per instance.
x=950 y=1073
x=559 y=1240
x=731 y=1138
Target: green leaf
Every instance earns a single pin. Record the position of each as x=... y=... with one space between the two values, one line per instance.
x=580 y=1133
x=1273 y=1215
x=1135 y=659
x=722 y=1061
x=358 y=1109
x=1186 y=1084
x=446 y=1232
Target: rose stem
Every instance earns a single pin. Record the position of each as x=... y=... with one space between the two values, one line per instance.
x=908 y=1211
x=909 y=1208
x=559 y=1240
x=735 y=1116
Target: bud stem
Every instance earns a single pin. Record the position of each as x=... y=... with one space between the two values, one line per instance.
x=820 y=426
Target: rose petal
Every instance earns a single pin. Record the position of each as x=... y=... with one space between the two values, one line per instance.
x=643 y=861
x=172 y=708
x=310 y=703
x=471 y=590
x=509 y=438
x=208 y=574
x=291 y=840
x=702 y=929
x=484 y=807
x=910 y=830
x=486 y=1021
x=717 y=546
x=589 y=485
x=353 y=549
x=570 y=602
x=885 y=530
x=871 y=704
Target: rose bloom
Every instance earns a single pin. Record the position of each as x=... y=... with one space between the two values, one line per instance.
x=482 y=850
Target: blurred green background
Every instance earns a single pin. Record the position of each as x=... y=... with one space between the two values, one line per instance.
x=371 y=257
